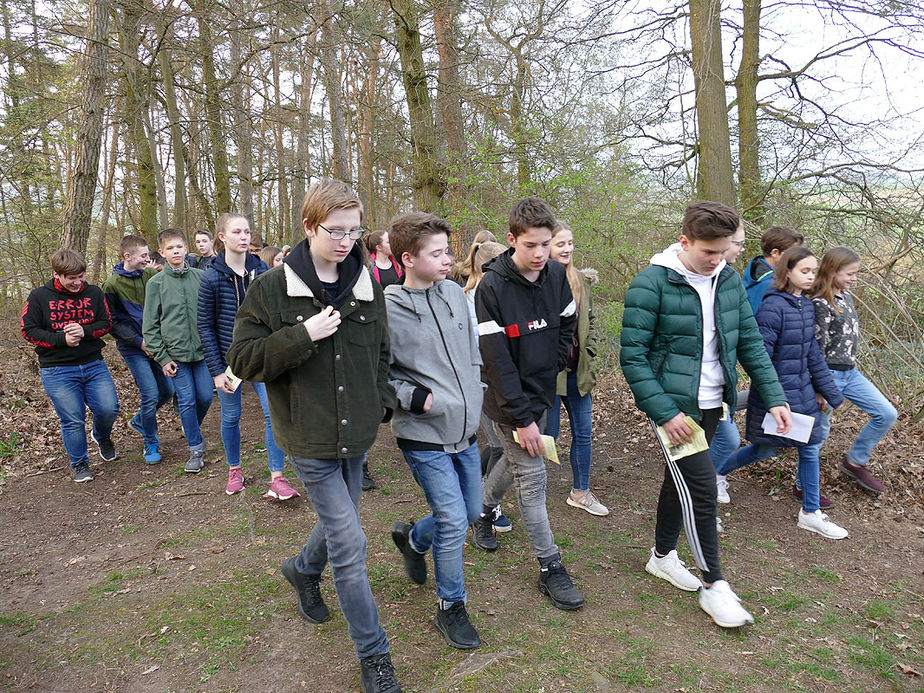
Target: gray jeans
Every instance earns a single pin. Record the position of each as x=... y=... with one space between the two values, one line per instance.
x=527 y=473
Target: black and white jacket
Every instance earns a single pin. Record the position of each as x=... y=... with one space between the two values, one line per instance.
x=838 y=331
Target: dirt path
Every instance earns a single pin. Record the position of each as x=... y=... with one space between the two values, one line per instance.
x=151 y=580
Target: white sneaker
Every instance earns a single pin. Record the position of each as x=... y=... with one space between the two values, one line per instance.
x=586 y=500
x=723 y=606
x=721 y=487
x=671 y=568
x=819 y=523
x=719 y=527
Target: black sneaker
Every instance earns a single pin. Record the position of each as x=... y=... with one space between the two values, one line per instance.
x=483 y=533
x=555 y=583
x=414 y=564
x=368 y=481
x=310 y=604
x=81 y=473
x=455 y=627
x=378 y=675
x=106 y=449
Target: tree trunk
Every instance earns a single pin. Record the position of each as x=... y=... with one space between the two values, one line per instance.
x=282 y=182
x=78 y=210
x=340 y=158
x=449 y=90
x=213 y=107
x=108 y=185
x=180 y=216
x=367 y=110
x=303 y=145
x=714 y=178
x=428 y=190
x=748 y=139
x=242 y=125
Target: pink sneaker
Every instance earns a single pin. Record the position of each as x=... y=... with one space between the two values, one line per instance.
x=280 y=489
x=235 y=481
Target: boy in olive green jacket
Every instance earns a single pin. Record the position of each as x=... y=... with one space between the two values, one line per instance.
x=171 y=335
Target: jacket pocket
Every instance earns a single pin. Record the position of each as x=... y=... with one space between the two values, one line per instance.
x=362 y=328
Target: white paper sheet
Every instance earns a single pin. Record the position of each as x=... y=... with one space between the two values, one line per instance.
x=801 y=426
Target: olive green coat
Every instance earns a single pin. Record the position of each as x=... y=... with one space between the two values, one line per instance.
x=587 y=343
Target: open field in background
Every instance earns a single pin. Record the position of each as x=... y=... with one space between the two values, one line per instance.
x=151 y=580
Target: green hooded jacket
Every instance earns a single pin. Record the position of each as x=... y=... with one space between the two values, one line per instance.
x=169 y=321
x=587 y=343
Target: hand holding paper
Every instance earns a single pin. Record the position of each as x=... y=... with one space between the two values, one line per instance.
x=548 y=447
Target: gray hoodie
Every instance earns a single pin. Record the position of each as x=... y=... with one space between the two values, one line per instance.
x=433 y=351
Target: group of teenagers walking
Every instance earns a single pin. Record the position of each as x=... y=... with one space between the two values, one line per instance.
x=332 y=355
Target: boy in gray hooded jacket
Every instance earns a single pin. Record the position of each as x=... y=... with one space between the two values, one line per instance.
x=435 y=370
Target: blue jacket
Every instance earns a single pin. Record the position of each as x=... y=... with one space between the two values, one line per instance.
x=125 y=292
x=220 y=295
x=787 y=324
x=757 y=277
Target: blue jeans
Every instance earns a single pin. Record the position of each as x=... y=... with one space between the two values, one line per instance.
x=74 y=388
x=231 y=427
x=726 y=441
x=859 y=390
x=807 y=474
x=156 y=390
x=194 y=395
x=452 y=484
x=579 y=411
x=334 y=488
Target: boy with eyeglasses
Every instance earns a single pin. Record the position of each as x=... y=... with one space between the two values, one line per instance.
x=316 y=334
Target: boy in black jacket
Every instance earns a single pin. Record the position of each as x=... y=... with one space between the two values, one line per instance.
x=65 y=320
x=526 y=317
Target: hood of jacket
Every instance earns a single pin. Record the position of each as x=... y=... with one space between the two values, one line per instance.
x=504 y=266
x=251 y=265
x=131 y=274
x=670 y=258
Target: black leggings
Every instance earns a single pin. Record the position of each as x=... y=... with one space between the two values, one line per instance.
x=688 y=501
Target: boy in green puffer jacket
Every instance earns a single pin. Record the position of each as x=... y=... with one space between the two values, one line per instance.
x=687 y=322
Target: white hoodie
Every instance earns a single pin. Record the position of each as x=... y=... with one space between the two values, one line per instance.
x=712 y=380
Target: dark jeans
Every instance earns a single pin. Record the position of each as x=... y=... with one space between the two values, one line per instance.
x=156 y=390
x=688 y=501
x=74 y=388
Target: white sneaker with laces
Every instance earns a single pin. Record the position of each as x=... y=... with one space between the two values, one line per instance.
x=724 y=606
x=721 y=487
x=586 y=500
x=819 y=523
x=671 y=568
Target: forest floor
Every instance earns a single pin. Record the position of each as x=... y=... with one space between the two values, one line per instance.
x=149 y=579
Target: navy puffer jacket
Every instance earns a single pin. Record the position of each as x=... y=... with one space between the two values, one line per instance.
x=787 y=324
x=220 y=295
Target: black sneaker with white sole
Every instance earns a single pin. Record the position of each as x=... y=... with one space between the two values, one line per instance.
x=555 y=583
x=81 y=473
x=105 y=446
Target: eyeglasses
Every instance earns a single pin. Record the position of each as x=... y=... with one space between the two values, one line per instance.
x=340 y=234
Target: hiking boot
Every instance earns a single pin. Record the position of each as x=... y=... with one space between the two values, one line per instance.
x=279 y=489
x=377 y=675
x=819 y=523
x=368 y=481
x=672 y=569
x=860 y=474
x=483 y=534
x=586 y=500
x=823 y=501
x=308 y=588
x=106 y=449
x=721 y=489
x=555 y=583
x=81 y=472
x=455 y=627
x=414 y=564
x=724 y=606
x=235 y=481
x=501 y=522
x=152 y=453
x=195 y=463
x=135 y=423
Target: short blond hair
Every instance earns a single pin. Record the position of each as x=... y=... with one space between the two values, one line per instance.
x=326 y=197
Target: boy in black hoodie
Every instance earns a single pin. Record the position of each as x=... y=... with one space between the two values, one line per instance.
x=66 y=320
x=526 y=317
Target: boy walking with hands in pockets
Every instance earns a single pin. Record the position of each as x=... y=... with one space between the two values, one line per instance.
x=316 y=334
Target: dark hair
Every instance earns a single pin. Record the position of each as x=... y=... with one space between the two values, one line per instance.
x=704 y=220
x=130 y=243
x=528 y=213
x=157 y=258
x=373 y=240
x=780 y=238
x=168 y=234
x=408 y=231
x=67 y=262
x=789 y=259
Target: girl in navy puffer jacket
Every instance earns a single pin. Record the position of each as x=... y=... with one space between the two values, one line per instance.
x=786 y=319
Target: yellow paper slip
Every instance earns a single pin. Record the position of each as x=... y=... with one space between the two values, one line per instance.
x=696 y=444
x=548 y=443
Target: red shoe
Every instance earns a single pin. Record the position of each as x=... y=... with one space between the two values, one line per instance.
x=861 y=475
x=280 y=490
x=235 y=481
x=823 y=502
